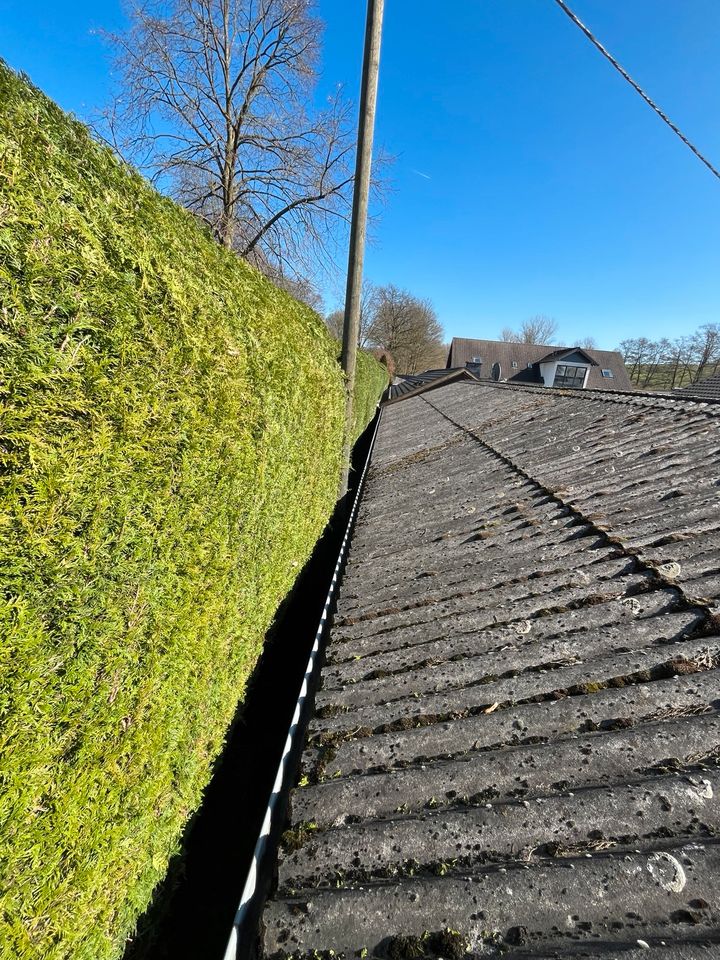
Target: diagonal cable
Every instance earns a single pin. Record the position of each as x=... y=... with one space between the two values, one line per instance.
x=663 y=116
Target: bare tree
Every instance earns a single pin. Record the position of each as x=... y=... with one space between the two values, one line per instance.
x=678 y=358
x=657 y=351
x=216 y=104
x=538 y=329
x=368 y=300
x=587 y=343
x=629 y=349
x=637 y=352
x=408 y=328
x=300 y=287
x=334 y=322
x=706 y=346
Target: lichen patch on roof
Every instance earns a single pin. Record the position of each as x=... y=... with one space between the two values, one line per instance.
x=516 y=741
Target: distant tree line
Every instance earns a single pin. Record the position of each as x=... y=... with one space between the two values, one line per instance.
x=665 y=363
x=397 y=322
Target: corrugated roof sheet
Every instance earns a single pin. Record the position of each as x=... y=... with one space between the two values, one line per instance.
x=517 y=733
x=462 y=351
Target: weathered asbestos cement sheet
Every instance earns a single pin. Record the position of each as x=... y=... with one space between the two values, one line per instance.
x=516 y=740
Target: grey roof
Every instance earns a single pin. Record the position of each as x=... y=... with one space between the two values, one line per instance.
x=707 y=389
x=411 y=384
x=517 y=736
x=462 y=350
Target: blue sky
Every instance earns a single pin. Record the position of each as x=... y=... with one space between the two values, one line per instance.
x=529 y=178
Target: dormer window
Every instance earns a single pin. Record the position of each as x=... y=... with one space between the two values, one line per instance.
x=567 y=375
x=514 y=364
x=476 y=360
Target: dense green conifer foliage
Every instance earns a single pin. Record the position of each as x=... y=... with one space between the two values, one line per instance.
x=170 y=437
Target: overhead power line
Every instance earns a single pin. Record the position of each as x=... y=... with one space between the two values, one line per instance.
x=663 y=116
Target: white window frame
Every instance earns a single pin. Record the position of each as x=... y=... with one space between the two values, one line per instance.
x=577 y=367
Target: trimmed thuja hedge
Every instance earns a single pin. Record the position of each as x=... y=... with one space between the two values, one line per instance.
x=170 y=436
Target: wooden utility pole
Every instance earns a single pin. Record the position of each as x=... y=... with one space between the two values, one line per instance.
x=361 y=191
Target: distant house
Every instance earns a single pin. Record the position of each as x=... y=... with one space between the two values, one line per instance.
x=542 y=364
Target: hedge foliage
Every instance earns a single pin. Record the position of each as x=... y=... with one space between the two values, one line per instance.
x=371 y=379
x=170 y=436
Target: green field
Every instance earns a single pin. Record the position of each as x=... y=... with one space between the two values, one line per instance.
x=660 y=376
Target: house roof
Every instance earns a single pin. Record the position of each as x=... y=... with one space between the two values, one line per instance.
x=462 y=351
x=406 y=385
x=517 y=736
x=564 y=352
x=707 y=389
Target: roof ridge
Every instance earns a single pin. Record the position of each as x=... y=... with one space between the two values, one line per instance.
x=521 y=343
x=609 y=396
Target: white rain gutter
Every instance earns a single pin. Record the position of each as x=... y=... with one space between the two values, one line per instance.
x=280 y=780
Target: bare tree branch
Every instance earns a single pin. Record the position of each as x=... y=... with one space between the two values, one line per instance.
x=215 y=105
x=538 y=329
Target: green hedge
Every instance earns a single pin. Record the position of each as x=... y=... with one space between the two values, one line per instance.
x=170 y=436
x=371 y=379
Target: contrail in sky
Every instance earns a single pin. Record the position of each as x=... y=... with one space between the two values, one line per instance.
x=421 y=174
